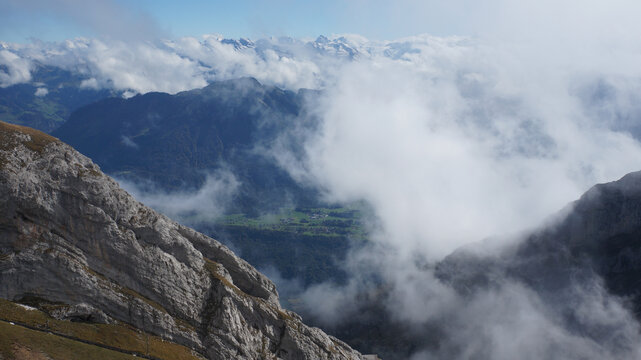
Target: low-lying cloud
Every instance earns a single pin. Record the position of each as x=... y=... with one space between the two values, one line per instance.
x=448 y=152
x=204 y=205
x=183 y=64
x=13 y=69
x=515 y=322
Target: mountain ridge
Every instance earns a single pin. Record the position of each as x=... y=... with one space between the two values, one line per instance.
x=596 y=233
x=70 y=235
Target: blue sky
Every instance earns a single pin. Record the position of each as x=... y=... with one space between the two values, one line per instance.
x=530 y=22
x=56 y=20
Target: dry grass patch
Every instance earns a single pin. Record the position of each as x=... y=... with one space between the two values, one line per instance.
x=37 y=142
x=120 y=336
x=18 y=343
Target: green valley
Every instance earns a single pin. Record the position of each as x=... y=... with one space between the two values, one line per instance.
x=306 y=244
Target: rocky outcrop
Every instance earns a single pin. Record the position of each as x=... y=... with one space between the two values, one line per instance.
x=596 y=238
x=69 y=235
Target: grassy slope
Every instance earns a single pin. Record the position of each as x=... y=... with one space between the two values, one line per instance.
x=20 y=343
x=120 y=336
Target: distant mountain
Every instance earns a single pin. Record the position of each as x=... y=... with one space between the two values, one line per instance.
x=82 y=260
x=175 y=140
x=46 y=102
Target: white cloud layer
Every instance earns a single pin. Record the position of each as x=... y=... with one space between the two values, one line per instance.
x=13 y=69
x=41 y=91
x=187 y=63
x=204 y=205
x=454 y=142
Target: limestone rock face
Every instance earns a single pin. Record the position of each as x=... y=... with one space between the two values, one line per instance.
x=70 y=236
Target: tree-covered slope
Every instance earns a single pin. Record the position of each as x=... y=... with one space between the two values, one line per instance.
x=174 y=141
x=46 y=102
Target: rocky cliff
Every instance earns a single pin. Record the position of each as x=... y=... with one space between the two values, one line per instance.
x=70 y=236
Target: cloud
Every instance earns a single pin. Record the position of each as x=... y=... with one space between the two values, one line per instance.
x=183 y=64
x=41 y=91
x=205 y=204
x=227 y=61
x=187 y=63
x=515 y=322
x=448 y=151
x=141 y=68
x=428 y=319
x=13 y=69
x=134 y=67
x=127 y=141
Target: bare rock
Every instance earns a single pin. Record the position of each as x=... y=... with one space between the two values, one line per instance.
x=69 y=234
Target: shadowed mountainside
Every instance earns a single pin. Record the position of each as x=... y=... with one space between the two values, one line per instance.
x=175 y=140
